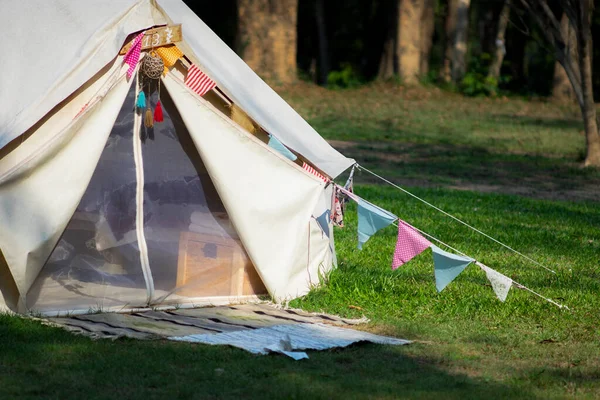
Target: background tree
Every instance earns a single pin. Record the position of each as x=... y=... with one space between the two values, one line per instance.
x=267 y=37
x=427 y=31
x=323 y=66
x=578 y=69
x=561 y=87
x=459 y=50
x=388 y=64
x=500 y=42
x=409 y=40
x=450 y=35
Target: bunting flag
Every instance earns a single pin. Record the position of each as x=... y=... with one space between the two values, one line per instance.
x=409 y=245
x=198 y=81
x=349 y=186
x=275 y=144
x=337 y=216
x=371 y=219
x=447 y=266
x=500 y=283
x=314 y=171
x=170 y=55
x=133 y=54
x=323 y=221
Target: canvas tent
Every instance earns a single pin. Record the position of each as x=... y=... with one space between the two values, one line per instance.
x=202 y=211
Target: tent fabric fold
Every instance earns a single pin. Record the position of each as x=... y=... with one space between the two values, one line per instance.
x=273 y=228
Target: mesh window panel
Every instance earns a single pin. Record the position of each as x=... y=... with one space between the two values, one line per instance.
x=193 y=248
x=96 y=263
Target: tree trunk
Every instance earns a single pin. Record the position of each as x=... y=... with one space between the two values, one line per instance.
x=584 y=40
x=427 y=29
x=323 y=43
x=459 y=53
x=387 y=65
x=500 y=45
x=267 y=37
x=409 y=40
x=562 y=89
x=450 y=30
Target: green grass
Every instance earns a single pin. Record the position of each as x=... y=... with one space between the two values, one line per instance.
x=467 y=343
x=427 y=137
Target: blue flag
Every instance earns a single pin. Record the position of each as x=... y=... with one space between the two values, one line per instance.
x=447 y=266
x=274 y=143
x=323 y=220
x=371 y=219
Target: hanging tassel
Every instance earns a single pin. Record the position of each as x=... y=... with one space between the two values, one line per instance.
x=158 y=113
x=141 y=100
x=148 y=120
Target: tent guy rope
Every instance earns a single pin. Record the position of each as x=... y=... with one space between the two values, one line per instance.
x=360 y=167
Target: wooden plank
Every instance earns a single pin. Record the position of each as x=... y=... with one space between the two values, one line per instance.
x=157 y=37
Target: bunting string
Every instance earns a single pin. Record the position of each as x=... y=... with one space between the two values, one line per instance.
x=481 y=265
x=433 y=238
x=360 y=167
x=520 y=286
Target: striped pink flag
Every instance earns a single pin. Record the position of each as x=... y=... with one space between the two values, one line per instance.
x=198 y=81
x=314 y=171
x=410 y=244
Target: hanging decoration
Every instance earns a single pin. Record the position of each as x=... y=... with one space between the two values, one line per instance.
x=149 y=120
x=337 y=217
x=323 y=221
x=349 y=186
x=158 y=112
x=275 y=144
x=447 y=266
x=170 y=55
x=133 y=54
x=141 y=100
x=198 y=81
x=314 y=171
x=410 y=244
x=371 y=219
x=151 y=69
x=500 y=283
x=152 y=65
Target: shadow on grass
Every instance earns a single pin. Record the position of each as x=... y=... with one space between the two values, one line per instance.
x=475 y=168
x=545 y=122
x=43 y=362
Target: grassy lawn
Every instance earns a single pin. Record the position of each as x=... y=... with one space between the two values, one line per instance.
x=509 y=167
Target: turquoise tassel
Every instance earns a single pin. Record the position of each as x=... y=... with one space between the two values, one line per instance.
x=141 y=100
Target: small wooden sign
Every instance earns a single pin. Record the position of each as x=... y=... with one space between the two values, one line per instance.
x=161 y=36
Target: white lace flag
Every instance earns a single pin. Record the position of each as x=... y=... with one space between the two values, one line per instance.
x=500 y=283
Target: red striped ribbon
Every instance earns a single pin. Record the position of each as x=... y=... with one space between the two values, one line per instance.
x=198 y=81
x=314 y=171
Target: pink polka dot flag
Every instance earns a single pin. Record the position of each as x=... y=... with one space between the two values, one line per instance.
x=133 y=54
x=410 y=244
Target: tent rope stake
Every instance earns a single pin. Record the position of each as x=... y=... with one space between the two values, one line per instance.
x=454 y=218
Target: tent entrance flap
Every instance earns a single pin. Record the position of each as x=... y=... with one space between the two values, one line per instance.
x=193 y=249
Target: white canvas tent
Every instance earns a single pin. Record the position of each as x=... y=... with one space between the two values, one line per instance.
x=92 y=217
